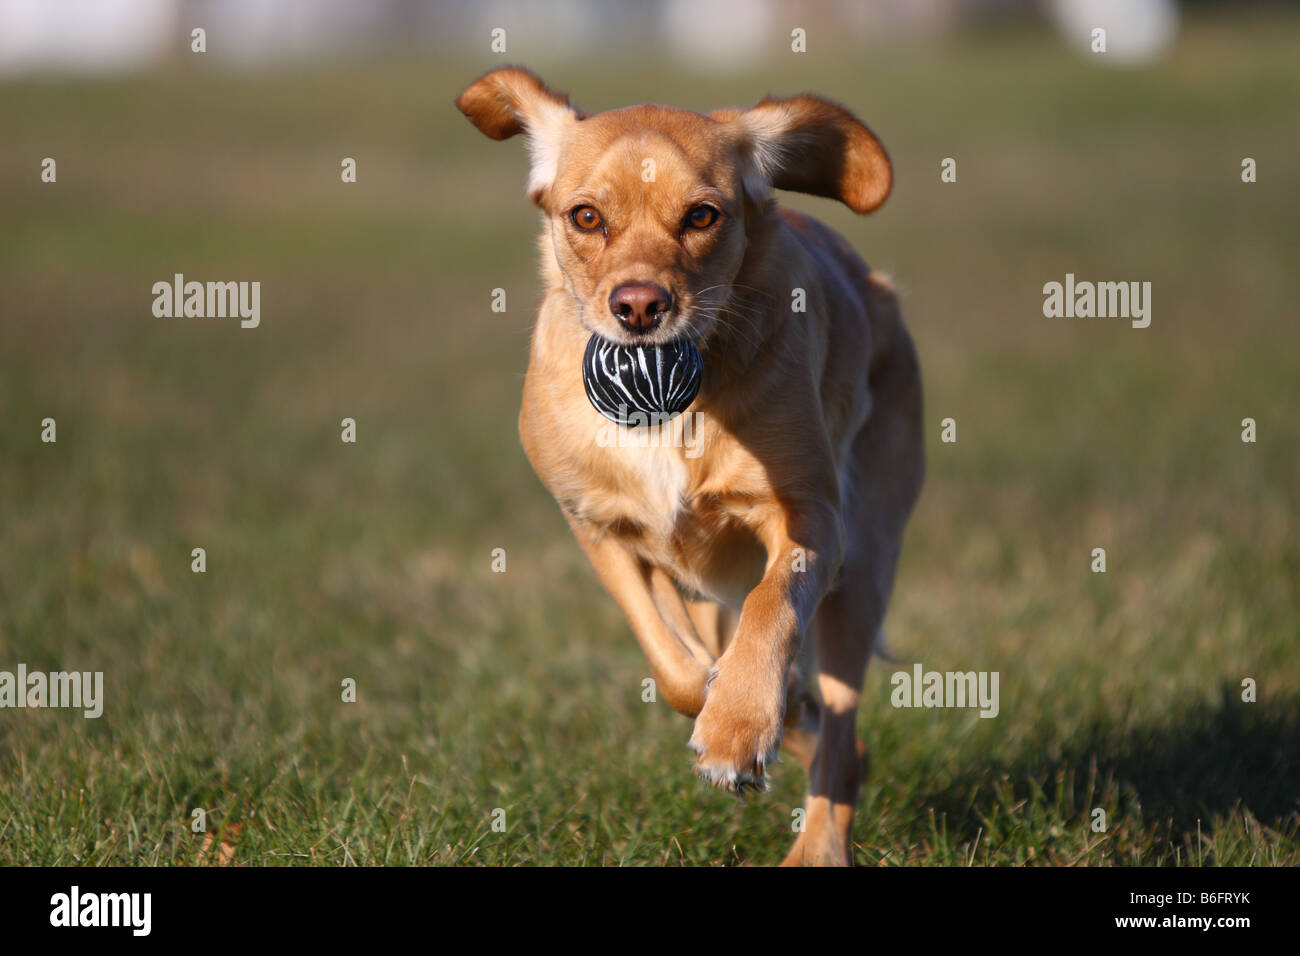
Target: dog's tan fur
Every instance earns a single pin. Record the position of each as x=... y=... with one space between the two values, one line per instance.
x=789 y=521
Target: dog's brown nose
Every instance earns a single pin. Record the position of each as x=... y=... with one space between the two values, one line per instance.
x=640 y=306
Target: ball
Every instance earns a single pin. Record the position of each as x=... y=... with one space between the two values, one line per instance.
x=641 y=384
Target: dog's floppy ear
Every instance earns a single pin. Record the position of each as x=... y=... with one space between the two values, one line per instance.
x=512 y=100
x=810 y=145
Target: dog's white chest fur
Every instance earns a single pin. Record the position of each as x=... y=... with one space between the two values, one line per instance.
x=644 y=487
x=654 y=485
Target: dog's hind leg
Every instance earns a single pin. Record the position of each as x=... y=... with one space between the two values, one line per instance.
x=837 y=767
x=847 y=623
x=681 y=617
x=714 y=622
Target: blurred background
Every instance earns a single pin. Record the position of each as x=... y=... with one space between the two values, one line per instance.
x=522 y=690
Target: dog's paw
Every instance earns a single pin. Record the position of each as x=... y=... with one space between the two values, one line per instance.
x=737 y=735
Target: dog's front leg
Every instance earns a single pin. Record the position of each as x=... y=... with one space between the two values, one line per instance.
x=738 y=732
x=679 y=668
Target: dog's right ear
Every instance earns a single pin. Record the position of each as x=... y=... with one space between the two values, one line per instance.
x=810 y=145
x=512 y=100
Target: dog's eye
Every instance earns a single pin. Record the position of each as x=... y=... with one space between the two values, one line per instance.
x=586 y=218
x=701 y=217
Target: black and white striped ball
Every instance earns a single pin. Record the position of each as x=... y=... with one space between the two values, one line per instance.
x=658 y=381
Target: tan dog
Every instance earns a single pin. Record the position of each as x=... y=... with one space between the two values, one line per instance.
x=785 y=516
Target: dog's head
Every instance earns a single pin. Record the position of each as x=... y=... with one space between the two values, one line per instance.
x=650 y=209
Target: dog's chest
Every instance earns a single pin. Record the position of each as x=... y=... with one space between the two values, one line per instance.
x=652 y=499
x=646 y=488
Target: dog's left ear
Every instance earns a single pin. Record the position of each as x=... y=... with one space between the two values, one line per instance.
x=810 y=145
x=512 y=100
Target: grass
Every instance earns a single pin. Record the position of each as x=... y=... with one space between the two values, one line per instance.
x=521 y=691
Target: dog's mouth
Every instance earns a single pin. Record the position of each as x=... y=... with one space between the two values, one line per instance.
x=642 y=383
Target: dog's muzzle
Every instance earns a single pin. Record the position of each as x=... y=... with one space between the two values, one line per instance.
x=641 y=384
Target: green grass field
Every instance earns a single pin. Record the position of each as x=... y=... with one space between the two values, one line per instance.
x=522 y=691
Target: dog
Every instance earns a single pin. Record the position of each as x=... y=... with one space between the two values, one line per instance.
x=755 y=571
